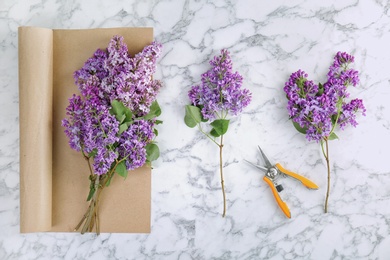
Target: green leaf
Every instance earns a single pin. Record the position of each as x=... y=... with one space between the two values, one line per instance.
x=214 y=133
x=93 y=153
x=333 y=136
x=220 y=126
x=128 y=116
x=158 y=122
x=121 y=113
x=122 y=119
x=155 y=107
x=333 y=119
x=117 y=109
x=91 y=192
x=154 y=111
x=123 y=127
x=152 y=152
x=155 y=131
x=109 y=180
x=92 y=179
x=320 y=89
x=300 y=129
x=149 y=164
x=193 y=116
x=121 y=169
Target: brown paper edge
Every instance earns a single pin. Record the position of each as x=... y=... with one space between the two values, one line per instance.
x=35 y=117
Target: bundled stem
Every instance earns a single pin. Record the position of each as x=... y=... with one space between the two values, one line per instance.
x=222 y=181
x=91 y=216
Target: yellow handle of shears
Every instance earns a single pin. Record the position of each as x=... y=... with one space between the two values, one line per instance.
x=308 y=183
x=283 y=206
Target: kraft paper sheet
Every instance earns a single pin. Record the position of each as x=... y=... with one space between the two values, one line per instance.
x=53 y=178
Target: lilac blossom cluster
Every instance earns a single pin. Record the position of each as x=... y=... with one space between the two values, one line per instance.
x=220 y=90
x=317 y=108
x=113 y=75
x=132 y=143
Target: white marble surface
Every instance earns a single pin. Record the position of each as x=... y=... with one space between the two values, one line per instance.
x=268 y=40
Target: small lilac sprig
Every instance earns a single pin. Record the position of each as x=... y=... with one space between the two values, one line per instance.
x=316 y=110
x=218 y=95
x=112 y=122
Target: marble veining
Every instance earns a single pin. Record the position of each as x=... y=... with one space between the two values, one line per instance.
x=268 y=40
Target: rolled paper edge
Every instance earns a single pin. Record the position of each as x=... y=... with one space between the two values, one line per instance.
x=35 y=46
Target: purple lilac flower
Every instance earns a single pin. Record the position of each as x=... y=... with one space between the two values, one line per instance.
x=74 y=125
x=103 y=160
x=114 y=75
x=306 y=108
x=340 y=76
x=348 y=114
x=220 y=90
x=108 y=75
x=314 y=108
x=133 y=142
x=94 y=128
x=101 y=128
x=140 y=90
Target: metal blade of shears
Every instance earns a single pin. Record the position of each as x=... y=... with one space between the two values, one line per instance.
x=267 y=162
x=265 y=170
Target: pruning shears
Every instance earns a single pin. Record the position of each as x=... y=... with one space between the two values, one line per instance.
x=273 y=173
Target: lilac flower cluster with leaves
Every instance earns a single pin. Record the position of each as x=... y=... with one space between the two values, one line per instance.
x=218 y=95
x=220 y=91
x=113 y=119
x=317 y=109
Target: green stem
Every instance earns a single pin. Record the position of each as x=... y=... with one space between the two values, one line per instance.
x=328 y=167
x=322 y=148
x=222 y=181
x=89 y=163
x=212 y=139
x=337 y=119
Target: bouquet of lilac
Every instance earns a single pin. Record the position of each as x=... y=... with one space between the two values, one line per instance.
x=112 y=122
x=316 y=110
x=218 y=95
